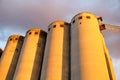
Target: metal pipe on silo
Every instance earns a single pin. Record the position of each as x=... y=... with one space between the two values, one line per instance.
x=10 y=57
x=87 y=53
x=30 y=61
x=56 y=65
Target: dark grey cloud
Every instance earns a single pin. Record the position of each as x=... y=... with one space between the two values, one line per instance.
x=32 y=13
x=43 y=12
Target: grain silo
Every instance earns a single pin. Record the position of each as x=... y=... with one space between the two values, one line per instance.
x=87 y=54
x=30 y=61
x=10 y=57
x=56 y=64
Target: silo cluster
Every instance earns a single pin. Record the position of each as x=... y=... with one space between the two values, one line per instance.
x=68 y=51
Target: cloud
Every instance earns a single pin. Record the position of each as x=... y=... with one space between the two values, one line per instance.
x=116 y=63
x=109 y=10
x=42 y=12
x=24 y=14
x=36 y=13
x=20 y=15
x=112 y=40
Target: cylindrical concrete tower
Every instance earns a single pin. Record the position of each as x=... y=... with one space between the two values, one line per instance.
x=10 y=57
x=108 y=61
x=30 y=61
x=1 y=51
x=87 y=53
x=56 y=59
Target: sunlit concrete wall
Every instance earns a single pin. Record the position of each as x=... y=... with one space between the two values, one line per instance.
x=87 y=54
x=30 y=61
x=10 y=57
x=106 y=52
x=108 y=61
x=56 y=64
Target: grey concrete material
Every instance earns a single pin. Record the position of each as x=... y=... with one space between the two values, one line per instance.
x=86 y=49
x=39 y=56
x=30 y=61
x=66 y=53
x=11 y=52
x=1 y=51
x=58 y=37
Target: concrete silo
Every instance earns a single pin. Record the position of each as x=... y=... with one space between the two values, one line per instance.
x=87 y=54
x=1 y=51
x=10 y=57
x=56 y=64
x=30 y=60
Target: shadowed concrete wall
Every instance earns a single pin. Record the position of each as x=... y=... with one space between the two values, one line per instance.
x=1 y=51
x=87 y=54
x=30 y=61
x=56 y=59
x=10 y=57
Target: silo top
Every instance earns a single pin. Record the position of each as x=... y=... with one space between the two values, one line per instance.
x=16 y=37
x=60 y=23
x=35 y=30
x=79 y=16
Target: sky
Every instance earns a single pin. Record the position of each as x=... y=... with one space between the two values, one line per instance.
x=18 y=16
